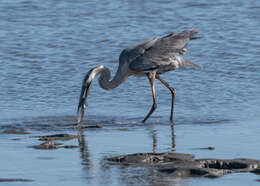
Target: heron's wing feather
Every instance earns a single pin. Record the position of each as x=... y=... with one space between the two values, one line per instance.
x=159 y=52
x=177 y=42
x=131 y=53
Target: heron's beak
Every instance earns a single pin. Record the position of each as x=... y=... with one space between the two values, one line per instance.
x=83 y=99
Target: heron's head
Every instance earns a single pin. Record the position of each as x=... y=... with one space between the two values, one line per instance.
x=85 y=89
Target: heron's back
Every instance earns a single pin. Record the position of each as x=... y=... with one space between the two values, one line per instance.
x=160 y=54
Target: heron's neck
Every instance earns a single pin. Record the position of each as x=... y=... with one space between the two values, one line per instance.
x=106 y=83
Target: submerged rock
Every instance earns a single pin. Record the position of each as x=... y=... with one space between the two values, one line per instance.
x=70 y=146
x=204 y=148
x=76 y=126
x=184 y=165
x=14 y=180
x=17 y=139
x=51 y=144
x=16 y=131
x=57 y=137
x=91 y=127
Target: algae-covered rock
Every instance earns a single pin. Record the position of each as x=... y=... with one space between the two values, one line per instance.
x=184 y=165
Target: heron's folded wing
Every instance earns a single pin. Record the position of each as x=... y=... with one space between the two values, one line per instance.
x=159 y=52
x=175 y=43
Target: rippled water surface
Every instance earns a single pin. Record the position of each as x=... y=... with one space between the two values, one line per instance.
x=46 y=47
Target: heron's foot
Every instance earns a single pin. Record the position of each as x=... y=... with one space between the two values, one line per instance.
x=150 y=113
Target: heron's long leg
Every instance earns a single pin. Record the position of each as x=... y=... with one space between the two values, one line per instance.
x=173 y=136
x=173 y=91
x=151 y=77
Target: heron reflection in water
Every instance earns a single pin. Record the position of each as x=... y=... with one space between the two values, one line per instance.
x=149 y=58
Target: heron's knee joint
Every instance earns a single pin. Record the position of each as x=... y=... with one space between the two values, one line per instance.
x=154 y=105
x=173 y=90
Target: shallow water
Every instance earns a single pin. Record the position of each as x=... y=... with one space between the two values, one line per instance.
x=86 y=165
x=47 y=48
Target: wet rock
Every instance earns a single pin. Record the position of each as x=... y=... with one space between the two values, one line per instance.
x=184 y=165
x=47 y=145
x=256 y=171
x=150 y=158
x=16 y=131
x=211 y=167
x=14 y=180
x=230 y=164
x=57 y=137
x=191 y=169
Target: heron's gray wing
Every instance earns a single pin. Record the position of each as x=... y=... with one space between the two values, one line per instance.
x=131 y=53
x=179 y=41
x=159 y=52
x=174 y=43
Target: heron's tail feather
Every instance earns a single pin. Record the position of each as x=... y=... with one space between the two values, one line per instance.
x=185 y=62
x=192 y=34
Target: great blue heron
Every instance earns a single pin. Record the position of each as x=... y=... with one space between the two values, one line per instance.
x=149 y=58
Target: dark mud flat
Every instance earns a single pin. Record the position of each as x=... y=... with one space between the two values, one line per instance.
x=184 y=165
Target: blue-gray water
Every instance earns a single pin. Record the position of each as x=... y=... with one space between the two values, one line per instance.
x=46 y=47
